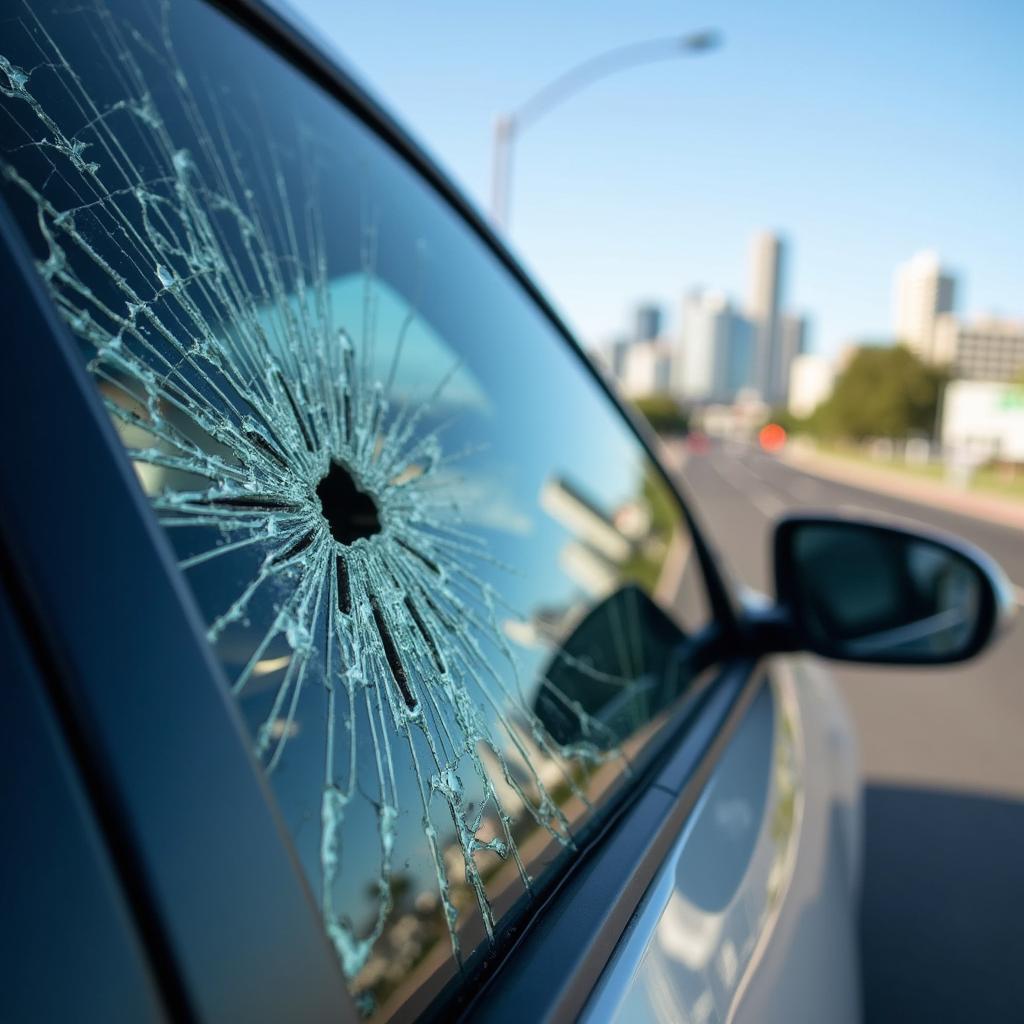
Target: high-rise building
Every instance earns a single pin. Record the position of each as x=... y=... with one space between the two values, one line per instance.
x=985 y=349
x=701 y=333
x=810 y=382
x=735 y=366
x=792 y=344
x=794 y=335
x=768 y=254
x=647 y=368
x=923 y=291
x=648 y=321
x=714 y=358
x=618 y=348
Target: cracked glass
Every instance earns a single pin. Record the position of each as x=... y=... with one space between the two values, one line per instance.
x=451 y=594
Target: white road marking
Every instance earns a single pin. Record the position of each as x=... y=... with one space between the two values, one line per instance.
x=750 y=469
x=795 y=487
x=715 y=468
x=763 y=500
x=884 y=514
x=727 y=471
x=767 y=504
x=1018 y=594
x=804 y=489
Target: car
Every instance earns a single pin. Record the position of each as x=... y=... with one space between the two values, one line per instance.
x=363 y=659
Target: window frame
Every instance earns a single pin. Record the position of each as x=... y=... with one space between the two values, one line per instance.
x=116 y=737
x=173 y=836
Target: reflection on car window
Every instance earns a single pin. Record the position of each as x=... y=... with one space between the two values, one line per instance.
x=449 y=591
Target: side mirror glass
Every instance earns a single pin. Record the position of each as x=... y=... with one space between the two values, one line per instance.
x=860 y=591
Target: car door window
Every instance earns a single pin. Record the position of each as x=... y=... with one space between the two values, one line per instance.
x=450 y=592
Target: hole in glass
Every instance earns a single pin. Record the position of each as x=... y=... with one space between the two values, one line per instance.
x=350 y=512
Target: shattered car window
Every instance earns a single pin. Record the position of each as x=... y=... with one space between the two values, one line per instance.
x=452 y=596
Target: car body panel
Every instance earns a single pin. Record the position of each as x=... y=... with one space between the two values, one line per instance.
x=753 y=914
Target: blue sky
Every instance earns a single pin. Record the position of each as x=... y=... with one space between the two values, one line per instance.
x=862 y=131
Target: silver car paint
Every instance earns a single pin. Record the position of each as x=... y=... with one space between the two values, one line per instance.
x=753 y=915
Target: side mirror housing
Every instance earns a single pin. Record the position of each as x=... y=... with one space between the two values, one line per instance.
x=860 y=591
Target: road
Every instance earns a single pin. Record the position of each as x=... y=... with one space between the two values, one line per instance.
x=943 y=758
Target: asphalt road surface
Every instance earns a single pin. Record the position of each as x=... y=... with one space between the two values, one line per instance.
x=943 y=758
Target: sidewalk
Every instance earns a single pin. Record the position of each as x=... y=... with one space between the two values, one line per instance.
x=890 y=481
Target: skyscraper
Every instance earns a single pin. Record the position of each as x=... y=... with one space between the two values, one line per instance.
x=647 y=369
x=702 y=334
x=768 y=254
x=648 y=321
x=715 y=356
x=792 y=342
x=922 y=292
x=618 y=348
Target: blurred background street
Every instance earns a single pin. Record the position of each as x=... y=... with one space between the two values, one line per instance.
x=943 y=759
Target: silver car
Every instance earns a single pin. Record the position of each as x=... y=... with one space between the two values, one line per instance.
x=364 y=660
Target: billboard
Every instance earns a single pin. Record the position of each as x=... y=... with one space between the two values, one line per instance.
x=985 y=419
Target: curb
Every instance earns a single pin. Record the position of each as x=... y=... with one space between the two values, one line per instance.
x=979 y=506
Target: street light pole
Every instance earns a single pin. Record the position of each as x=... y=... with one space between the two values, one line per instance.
x=501 y=167
x=508 y=127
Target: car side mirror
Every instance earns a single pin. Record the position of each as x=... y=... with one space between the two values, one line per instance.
x=861 y=591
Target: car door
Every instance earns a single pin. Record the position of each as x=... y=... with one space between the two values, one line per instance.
x=390 y=654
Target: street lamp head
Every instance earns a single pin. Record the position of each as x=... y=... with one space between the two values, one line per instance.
x=701 y=42
x=509 y=126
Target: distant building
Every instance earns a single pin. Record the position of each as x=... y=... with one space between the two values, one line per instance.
x=715 y=354
x=618 y=349
x=647 y=369
x=736 y=363
x=810 y=382
x=923 y=291
x=765 y=309
x=985 y=349
x=647 y=322
x=792 y=343
x=795 y=330
x=701 y=334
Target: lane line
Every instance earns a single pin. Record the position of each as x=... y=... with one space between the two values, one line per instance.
x=760 y=495
x=750 y=469
x=767 y=504
x=884 y=515
x=788 y=494
x=727 y=473
x=804 y=490
x=1018 y=594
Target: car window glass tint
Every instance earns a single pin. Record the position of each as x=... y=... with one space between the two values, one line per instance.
x=451 y=594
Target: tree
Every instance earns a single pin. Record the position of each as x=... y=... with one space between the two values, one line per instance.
x=664 y=414
x=883 y=392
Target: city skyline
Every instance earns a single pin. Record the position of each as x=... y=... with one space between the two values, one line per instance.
x=924 y=309
x=722 y=350
x=719 y=348
x=864 y=137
